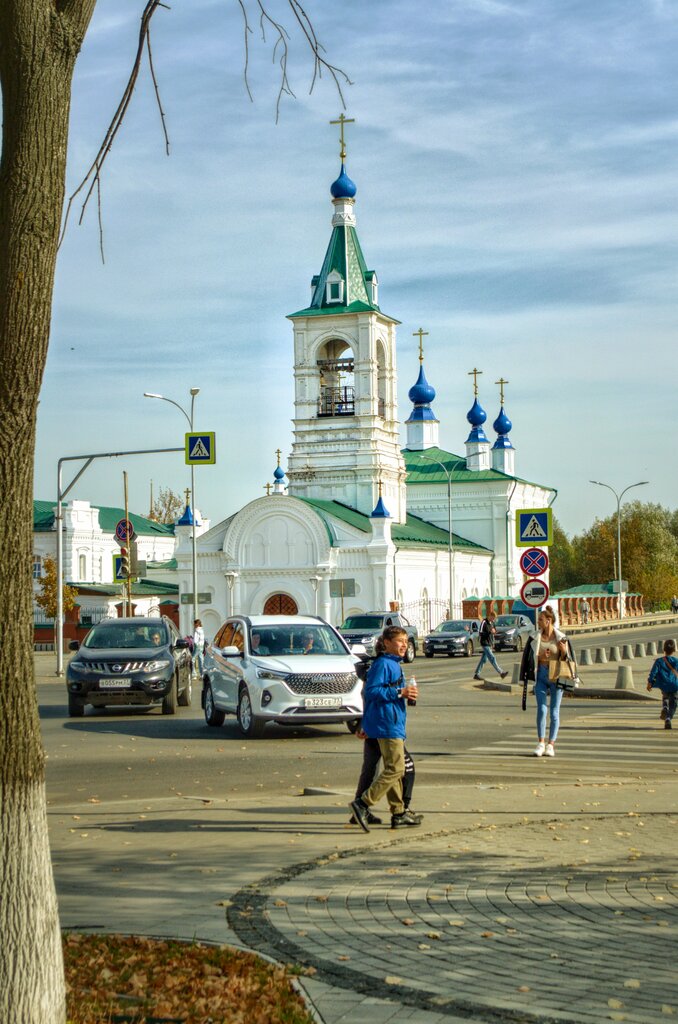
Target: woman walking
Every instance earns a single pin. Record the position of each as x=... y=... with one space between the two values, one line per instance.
x=546 y=645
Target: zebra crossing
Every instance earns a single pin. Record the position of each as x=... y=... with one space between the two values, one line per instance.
x=618 y=740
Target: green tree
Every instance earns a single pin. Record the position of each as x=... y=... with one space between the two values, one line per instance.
x=562 y=572
x=39 y=44
x=46 y=598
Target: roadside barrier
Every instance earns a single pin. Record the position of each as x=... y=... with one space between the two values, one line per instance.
x=651 y=648
x=585 y=657
x=640 y=650
x=624 y=678
x=601 y=656
x=627 y=652
x=614 y=654
x=515 y=678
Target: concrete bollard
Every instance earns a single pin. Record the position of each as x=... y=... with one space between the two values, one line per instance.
x=515 y=678
x=624 y=678
x=640 y=650
x=601 y=656
x=627 y=652
x=585 y=657
x=614 y=654
x=651 y=648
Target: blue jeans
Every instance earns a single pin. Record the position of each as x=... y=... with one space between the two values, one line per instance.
x=547 y=693
x=487 y=655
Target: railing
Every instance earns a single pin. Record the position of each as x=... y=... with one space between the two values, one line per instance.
x=90 y=616
x=425 y=613
x=336 y=401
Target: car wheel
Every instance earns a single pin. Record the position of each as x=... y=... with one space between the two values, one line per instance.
x=249 y=725
x=468 y=650
x=428 y=654
x=212 y=714
x=519 y=643
x=410 y=652
x=76 y=709
x=353 y=725
x=169 y=702
x=186 y=695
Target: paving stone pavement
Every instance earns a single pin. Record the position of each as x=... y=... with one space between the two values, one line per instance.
x=550 y=921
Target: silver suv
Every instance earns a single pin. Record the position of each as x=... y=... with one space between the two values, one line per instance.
x=290 y=669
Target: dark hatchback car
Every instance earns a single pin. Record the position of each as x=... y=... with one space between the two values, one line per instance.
x=130 y=661
x=511 y=632
x=456 y=636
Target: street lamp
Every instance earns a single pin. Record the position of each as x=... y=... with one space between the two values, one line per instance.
x=193 y=392
x=449 y=524
x=619 y=497
x=231 y=577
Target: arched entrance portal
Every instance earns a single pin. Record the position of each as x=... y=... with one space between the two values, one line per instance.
x=280 y=604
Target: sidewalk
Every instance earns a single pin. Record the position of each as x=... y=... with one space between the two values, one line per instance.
x=513 y=903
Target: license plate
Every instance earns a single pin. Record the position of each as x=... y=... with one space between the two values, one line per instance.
x=322 y=702
x=114 y=684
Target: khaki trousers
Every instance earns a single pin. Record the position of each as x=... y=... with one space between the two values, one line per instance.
x=389 y=783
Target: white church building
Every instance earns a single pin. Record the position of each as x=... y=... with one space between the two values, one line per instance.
x=356 y=521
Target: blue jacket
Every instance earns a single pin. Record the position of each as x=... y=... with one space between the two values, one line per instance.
x=384 y=711
x=662 y=677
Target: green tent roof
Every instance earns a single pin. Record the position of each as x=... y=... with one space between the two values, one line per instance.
x=592 y=590
x=427 y=470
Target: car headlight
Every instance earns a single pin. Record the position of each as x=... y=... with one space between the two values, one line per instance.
x=77 y=666
x=510 y=632
x=267 y=673
x=156 y=666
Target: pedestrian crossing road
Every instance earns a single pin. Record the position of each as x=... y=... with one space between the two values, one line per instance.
x=620 y=740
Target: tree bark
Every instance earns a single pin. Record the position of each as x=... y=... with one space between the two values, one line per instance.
x=39 y=44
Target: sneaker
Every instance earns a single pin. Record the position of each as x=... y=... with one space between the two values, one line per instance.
x=372 y=819
x=667 y=724
x=550 y=750
x=663 y=714
x=414 y=814
x=539 y=749
x=404 y=820
x=360 y=813
x=503 y=675
x=479 y=678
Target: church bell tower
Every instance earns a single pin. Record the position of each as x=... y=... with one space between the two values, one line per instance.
x=346 y=431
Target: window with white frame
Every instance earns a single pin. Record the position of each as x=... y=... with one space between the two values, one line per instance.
x=335 y=287
x=82 y=567
x=37 y=567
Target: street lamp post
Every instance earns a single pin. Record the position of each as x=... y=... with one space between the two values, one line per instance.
x=231 y=577
x=315 y=582
x=449 y=526
x=193 y=392
x=619 y=497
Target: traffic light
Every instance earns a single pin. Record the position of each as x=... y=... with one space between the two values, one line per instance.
x=124 y=563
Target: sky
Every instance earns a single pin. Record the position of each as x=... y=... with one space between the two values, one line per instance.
x=517 y=173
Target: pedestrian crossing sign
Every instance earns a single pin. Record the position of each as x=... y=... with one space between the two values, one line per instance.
x=534 y=527
x=201 y=449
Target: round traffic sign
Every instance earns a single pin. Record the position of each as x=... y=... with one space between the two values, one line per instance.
x=124 y=531
x=534 y=593
x=534 y=561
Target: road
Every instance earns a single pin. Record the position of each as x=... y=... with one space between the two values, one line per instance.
x=457 y=732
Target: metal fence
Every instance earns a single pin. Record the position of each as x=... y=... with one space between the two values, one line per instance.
x=40 y=617
x=90 y=616
x=425 y=613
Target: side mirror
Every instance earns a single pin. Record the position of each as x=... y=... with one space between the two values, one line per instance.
x=74 y=645
x=358 y=649
x=231 y=652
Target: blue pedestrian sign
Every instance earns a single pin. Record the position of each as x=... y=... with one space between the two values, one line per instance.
x=118 y=575
x=534 y=526
x=201 y=449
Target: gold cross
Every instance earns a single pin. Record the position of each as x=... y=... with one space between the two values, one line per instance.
x=267 y=488
x=278 y=453
x=421 y=334
x=187 y=492
x=501 y=383
x=475 y=374
x=342 y=121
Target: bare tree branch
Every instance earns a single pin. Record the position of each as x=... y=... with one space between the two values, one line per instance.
x=317 y=49
x=247 y=29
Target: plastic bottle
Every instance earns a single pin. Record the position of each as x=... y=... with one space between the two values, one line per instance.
x=412 y=701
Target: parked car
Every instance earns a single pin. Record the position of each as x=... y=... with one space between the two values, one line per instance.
x=366 y=628
x=512 y=631
x=130 y=661
x=290 y=669
x=455 y=636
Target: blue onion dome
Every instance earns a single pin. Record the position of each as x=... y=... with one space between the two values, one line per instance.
x=343 y=187
x=279 y=473
x=502 y=424
x=476 y=414
x=380 y=510
x=421 y=393
x=187 y=518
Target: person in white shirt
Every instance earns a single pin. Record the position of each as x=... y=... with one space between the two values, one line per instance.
x=198 y=647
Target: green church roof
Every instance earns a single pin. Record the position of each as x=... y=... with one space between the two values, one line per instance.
x=422 y=470
x=43 y=520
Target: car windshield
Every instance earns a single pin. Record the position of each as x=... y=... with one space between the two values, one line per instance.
x=508 y=620
x=274 y=641
x=111 y=636
x=363 y=622
x=452 y=627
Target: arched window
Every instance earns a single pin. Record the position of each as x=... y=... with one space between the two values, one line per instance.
x=335 y=364
x=82 y=567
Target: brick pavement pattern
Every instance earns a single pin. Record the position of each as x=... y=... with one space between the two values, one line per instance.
x=487 y=926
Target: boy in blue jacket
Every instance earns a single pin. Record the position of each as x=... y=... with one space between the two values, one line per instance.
x=664 y=675
x=384 y=716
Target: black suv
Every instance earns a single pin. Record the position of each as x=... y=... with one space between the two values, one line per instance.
x=130 y=661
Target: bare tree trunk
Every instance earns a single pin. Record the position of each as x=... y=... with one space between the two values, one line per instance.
x=39 y=44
